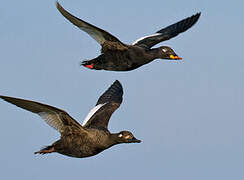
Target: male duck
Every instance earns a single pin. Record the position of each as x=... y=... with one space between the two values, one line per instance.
x=117 y=56
x=87 y=139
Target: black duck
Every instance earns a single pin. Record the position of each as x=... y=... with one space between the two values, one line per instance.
x=117 y=56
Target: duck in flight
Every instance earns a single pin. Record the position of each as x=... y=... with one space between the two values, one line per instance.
x=117 y=56
x=88 y=139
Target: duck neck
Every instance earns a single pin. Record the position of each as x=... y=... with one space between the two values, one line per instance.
x=113 y=139
x=153 y=54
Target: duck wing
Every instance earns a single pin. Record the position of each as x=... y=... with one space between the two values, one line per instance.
x=53 y=116
x=108 y=102
x=168 y=32
x=96 y=33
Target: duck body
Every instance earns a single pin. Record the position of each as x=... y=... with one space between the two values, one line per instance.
x=75 y=144
x=88 y=139
x=118 y=56
x=121 y=60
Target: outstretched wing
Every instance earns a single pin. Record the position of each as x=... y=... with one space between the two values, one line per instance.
x=168 y=32
x=96 y=33
x=53 y=116
x=108 y=102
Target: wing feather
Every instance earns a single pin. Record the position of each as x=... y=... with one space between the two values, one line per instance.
x=53 y=116
x=92 y=112
x=96 y=33
x=107 y=103
x=168 y=32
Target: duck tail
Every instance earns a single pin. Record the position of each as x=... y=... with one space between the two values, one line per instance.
x=84 y=62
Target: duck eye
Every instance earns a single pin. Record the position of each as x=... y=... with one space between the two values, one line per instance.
x=120 y=135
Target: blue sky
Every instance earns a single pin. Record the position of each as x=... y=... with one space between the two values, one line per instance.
x=189 y=115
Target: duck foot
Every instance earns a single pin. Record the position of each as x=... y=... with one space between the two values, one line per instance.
x=87 y=64
x=48 y=149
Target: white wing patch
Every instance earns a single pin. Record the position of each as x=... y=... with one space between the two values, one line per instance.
x=152 y=35
x=92 y=111
x=52 y=119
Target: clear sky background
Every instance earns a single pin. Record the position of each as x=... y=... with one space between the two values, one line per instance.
x=189 y=115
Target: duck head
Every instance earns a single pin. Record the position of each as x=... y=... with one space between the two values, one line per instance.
x=165 y=52
x=126 y=137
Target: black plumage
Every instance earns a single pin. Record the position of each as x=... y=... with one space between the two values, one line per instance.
x=117 y=56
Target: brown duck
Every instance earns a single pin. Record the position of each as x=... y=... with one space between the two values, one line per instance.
x=117 y=56
x=88 y=139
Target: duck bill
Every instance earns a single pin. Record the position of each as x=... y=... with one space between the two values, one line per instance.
x=175 y=57
x=134 y=140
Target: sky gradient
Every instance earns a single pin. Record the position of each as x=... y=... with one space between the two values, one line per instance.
x=189 y=115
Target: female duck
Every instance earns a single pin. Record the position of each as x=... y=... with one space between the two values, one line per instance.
x=88 y=139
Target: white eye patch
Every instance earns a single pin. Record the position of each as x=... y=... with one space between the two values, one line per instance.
x=127 y=137
x=120 y=135
x=164 y=50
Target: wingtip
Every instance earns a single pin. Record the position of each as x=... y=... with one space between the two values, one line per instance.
x=197 y=15
x=193 y=19
x=113 y=94
x=117 y=82
x=3 y=97
x=57 y=4
x=59 y=7
x=9 y=99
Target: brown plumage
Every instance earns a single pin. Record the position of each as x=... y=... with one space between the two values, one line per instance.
x=117 y=56
x=81 y=140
